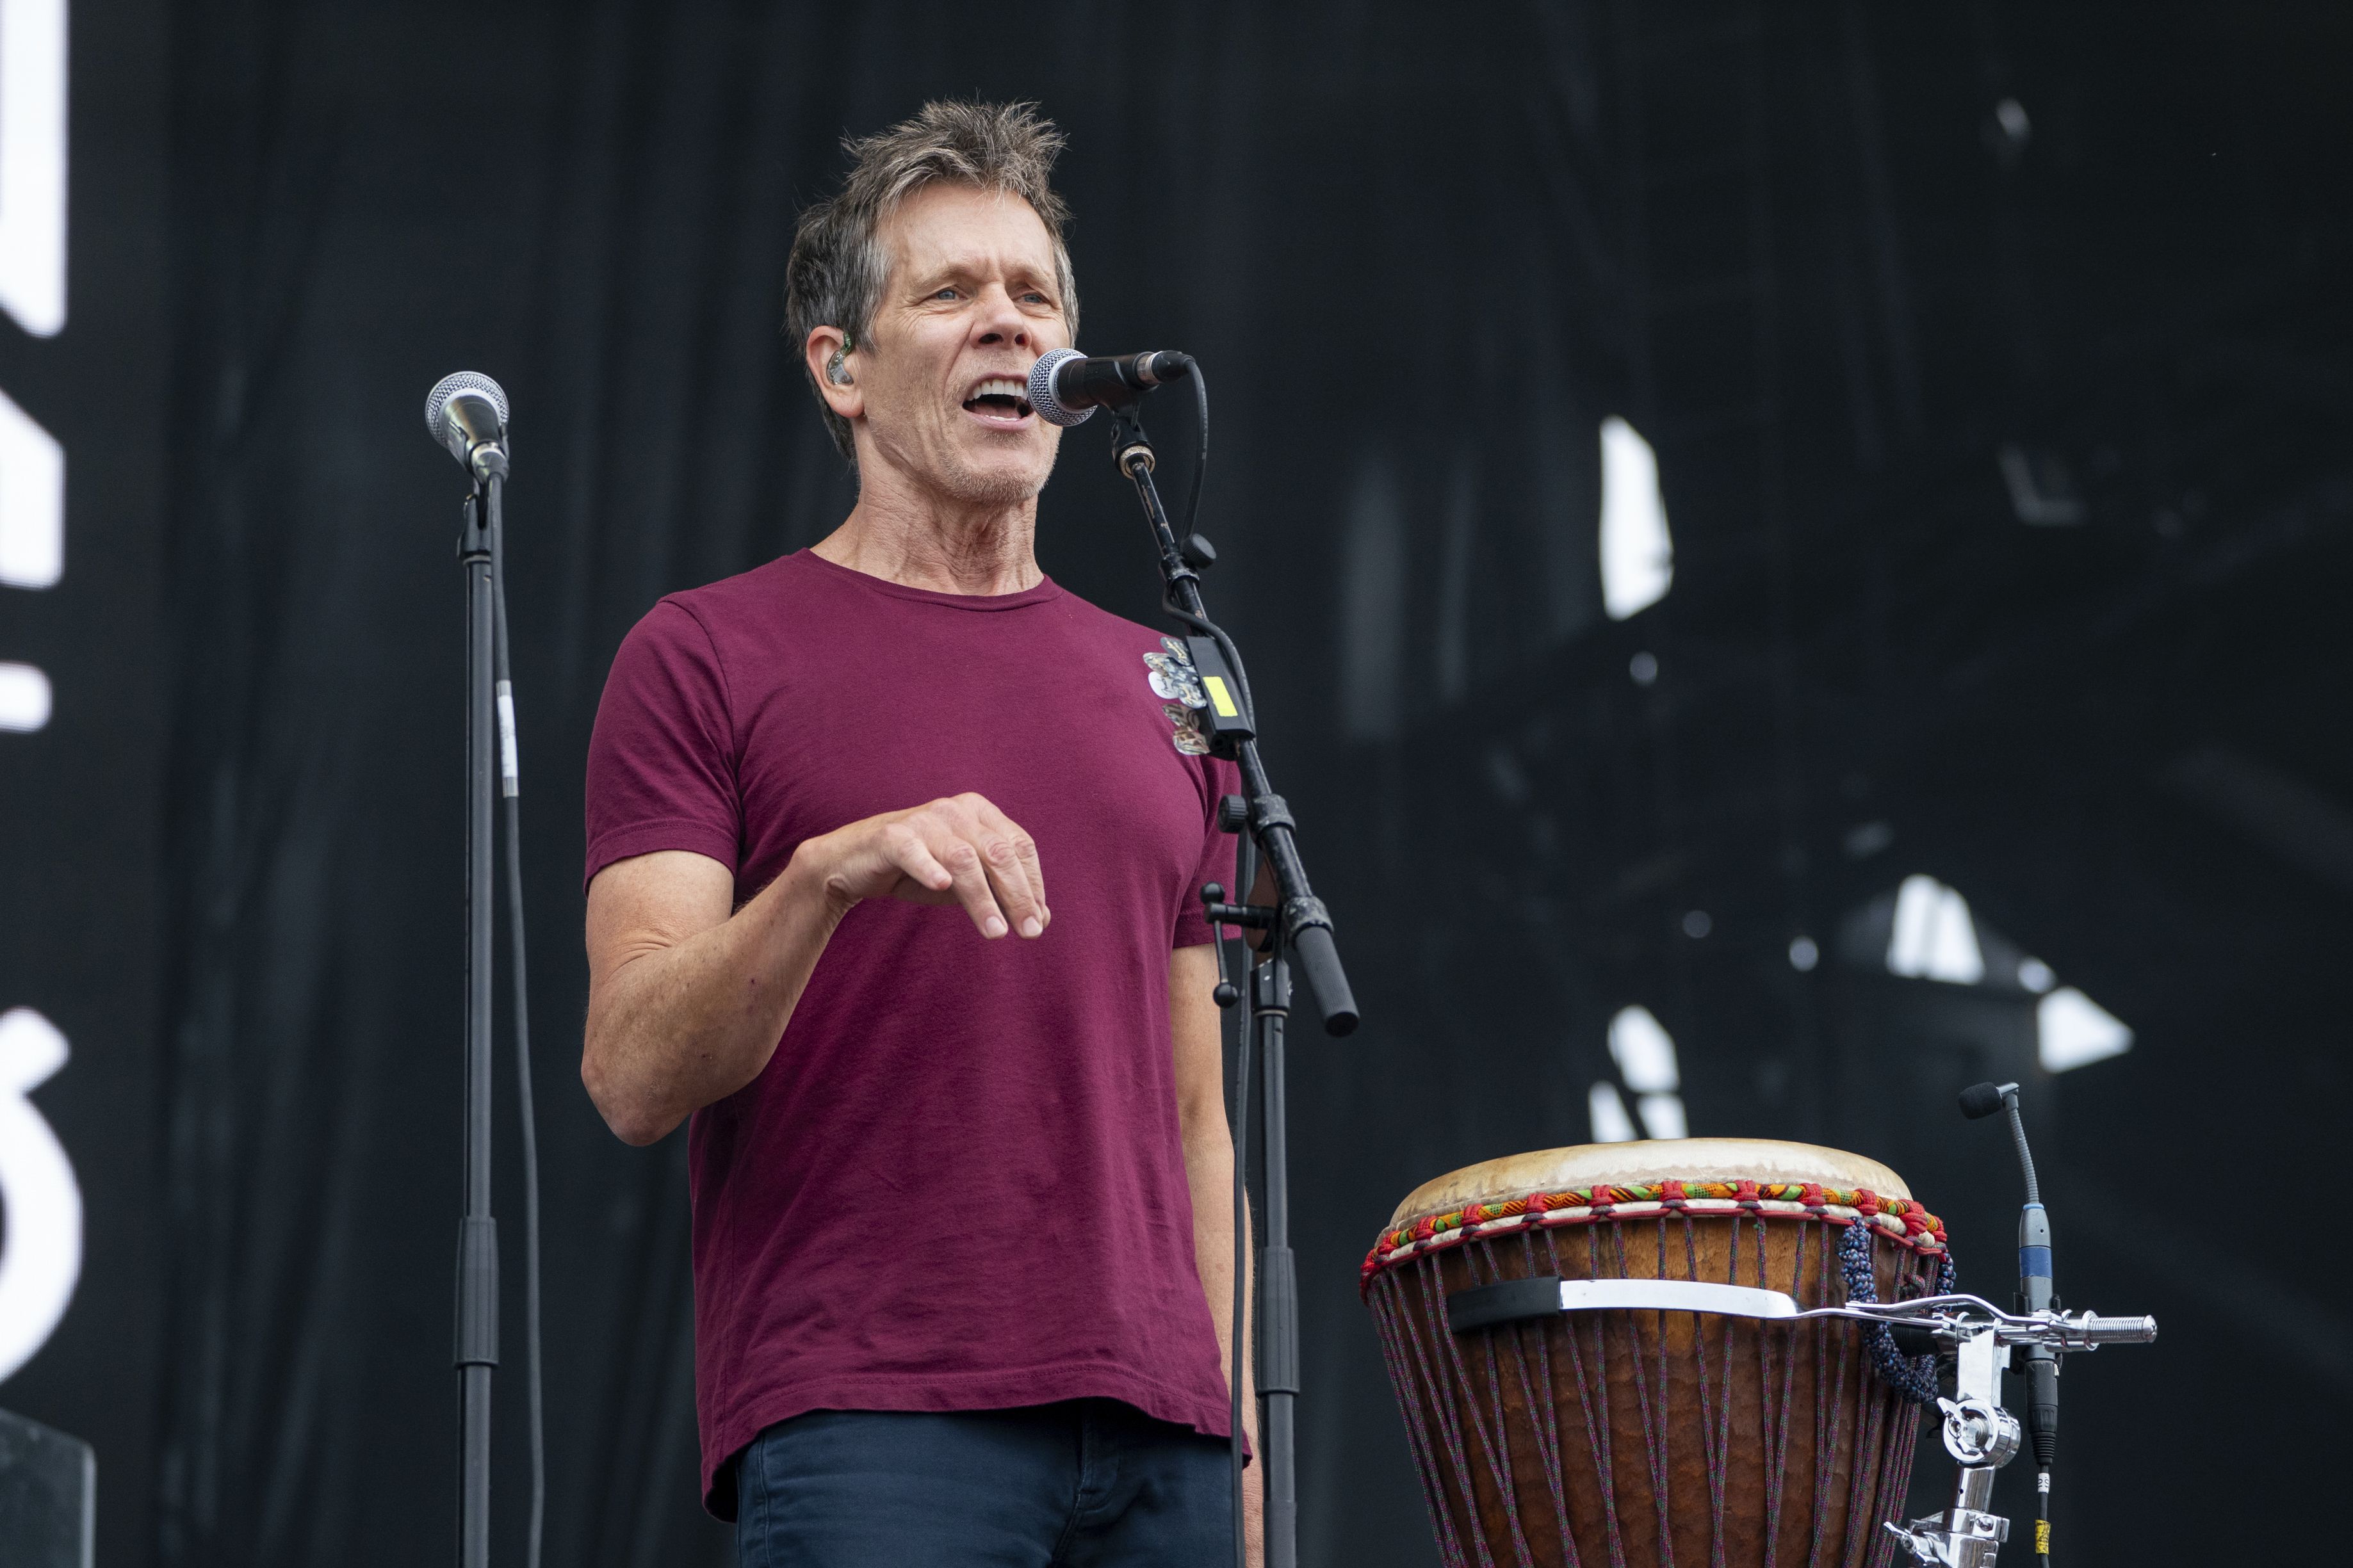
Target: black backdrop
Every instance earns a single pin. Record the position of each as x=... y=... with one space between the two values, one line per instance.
x=1422 y=253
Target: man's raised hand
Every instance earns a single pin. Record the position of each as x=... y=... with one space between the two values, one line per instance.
x=957 y=850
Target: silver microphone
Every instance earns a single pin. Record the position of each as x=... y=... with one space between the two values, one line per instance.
x=467 y=413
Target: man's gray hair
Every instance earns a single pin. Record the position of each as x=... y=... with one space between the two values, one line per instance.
x=839 y=265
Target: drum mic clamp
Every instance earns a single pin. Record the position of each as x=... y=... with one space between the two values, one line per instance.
x=1977 y=1432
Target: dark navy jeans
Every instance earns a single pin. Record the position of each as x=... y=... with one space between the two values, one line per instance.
x=1087 y=1483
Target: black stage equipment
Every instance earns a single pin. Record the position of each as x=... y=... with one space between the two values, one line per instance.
x=1065 y=387
x=1297 y=927
x=2034 y=1295
x=467 y=413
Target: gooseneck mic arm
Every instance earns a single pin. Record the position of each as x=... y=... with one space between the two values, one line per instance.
x=2035 y=1294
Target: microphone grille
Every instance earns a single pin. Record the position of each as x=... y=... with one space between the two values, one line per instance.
x=449 y=386
x=1041 y=389
x=1980 y=1099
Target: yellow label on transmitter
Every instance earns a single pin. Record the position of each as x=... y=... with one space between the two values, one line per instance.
x=1219 y=698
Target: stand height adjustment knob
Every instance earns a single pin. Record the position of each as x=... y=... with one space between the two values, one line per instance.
x=1233 y=813
x=1198 y=552
x=1224 y=994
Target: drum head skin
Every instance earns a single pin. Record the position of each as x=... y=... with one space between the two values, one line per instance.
x=1645 y=1162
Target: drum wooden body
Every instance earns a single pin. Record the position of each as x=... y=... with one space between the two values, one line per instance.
x=1617 y=1437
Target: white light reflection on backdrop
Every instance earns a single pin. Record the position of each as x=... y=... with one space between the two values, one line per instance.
x=33 y=164
x=1610 y=1122
x=42 y=1256
x=24 y=698
x=40 y=1202
x=1934 y=938
x=2074 y=1030
x=1638 y=555
x=32 y=499
x=1645 y=1055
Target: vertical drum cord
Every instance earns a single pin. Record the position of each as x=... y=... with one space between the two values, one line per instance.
x=1237 y=1338
x=2042 y=1519
x=510 y=788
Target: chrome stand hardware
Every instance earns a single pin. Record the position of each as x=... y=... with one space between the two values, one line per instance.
x=1979 y=1432
x=1982 y=1437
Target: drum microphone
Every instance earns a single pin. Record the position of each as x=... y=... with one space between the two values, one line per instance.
x=467 y=413
x=2034 y=1291
x=1065 y=387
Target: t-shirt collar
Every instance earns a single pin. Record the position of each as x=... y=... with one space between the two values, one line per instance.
x=1045 y=590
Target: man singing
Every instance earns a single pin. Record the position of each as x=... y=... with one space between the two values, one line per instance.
x=963 y=1240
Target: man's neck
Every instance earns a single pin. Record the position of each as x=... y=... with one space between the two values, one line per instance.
x=939 y=544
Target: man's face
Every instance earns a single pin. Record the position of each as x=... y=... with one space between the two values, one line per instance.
x=971 y=303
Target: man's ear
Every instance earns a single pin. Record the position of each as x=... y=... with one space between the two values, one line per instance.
x=833 y=362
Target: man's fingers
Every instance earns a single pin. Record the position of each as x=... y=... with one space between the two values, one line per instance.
x=1026 y=849
x=1013 y=867
x=1010 y=879
x=906 y=849
x=972 y=888
x=964 y=851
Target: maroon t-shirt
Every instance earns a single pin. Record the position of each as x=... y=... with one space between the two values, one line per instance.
x=958 y=1184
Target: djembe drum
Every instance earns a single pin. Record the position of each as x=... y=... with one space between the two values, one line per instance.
x=1635 y=1437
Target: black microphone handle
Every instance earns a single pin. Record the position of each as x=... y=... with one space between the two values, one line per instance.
x=1319 y=965
x=1161 y=366
x=1094 y=384
x=2036 y=1295
x=1112 y=383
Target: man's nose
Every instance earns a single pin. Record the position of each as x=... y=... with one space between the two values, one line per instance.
x=1000 y=321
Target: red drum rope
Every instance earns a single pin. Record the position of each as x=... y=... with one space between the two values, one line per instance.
x=1902 y=1220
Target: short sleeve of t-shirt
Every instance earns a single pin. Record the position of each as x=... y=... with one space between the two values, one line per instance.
x=662 y=761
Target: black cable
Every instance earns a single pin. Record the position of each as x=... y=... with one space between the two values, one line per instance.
x=1245 y=874
x=1201 y=456
x=510 y=787
x=2042 y=1518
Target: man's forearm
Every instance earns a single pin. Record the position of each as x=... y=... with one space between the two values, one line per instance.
x=686 y=1001
x=677 y=1028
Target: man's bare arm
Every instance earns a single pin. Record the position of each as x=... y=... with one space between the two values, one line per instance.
x=1198 y=1041
x=687 y=1001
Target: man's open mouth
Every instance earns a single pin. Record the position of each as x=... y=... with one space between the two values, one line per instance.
x=1000 y=397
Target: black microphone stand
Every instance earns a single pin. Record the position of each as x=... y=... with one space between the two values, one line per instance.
x=479 y=549
x=1299 y=928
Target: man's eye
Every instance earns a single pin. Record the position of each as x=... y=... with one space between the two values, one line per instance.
x=1034 y=297
x=945 y=294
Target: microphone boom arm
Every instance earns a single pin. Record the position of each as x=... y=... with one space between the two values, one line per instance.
x=1305 y=924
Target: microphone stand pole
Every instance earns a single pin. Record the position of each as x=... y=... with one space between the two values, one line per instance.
x=1299 y=928
x=477 y=1243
